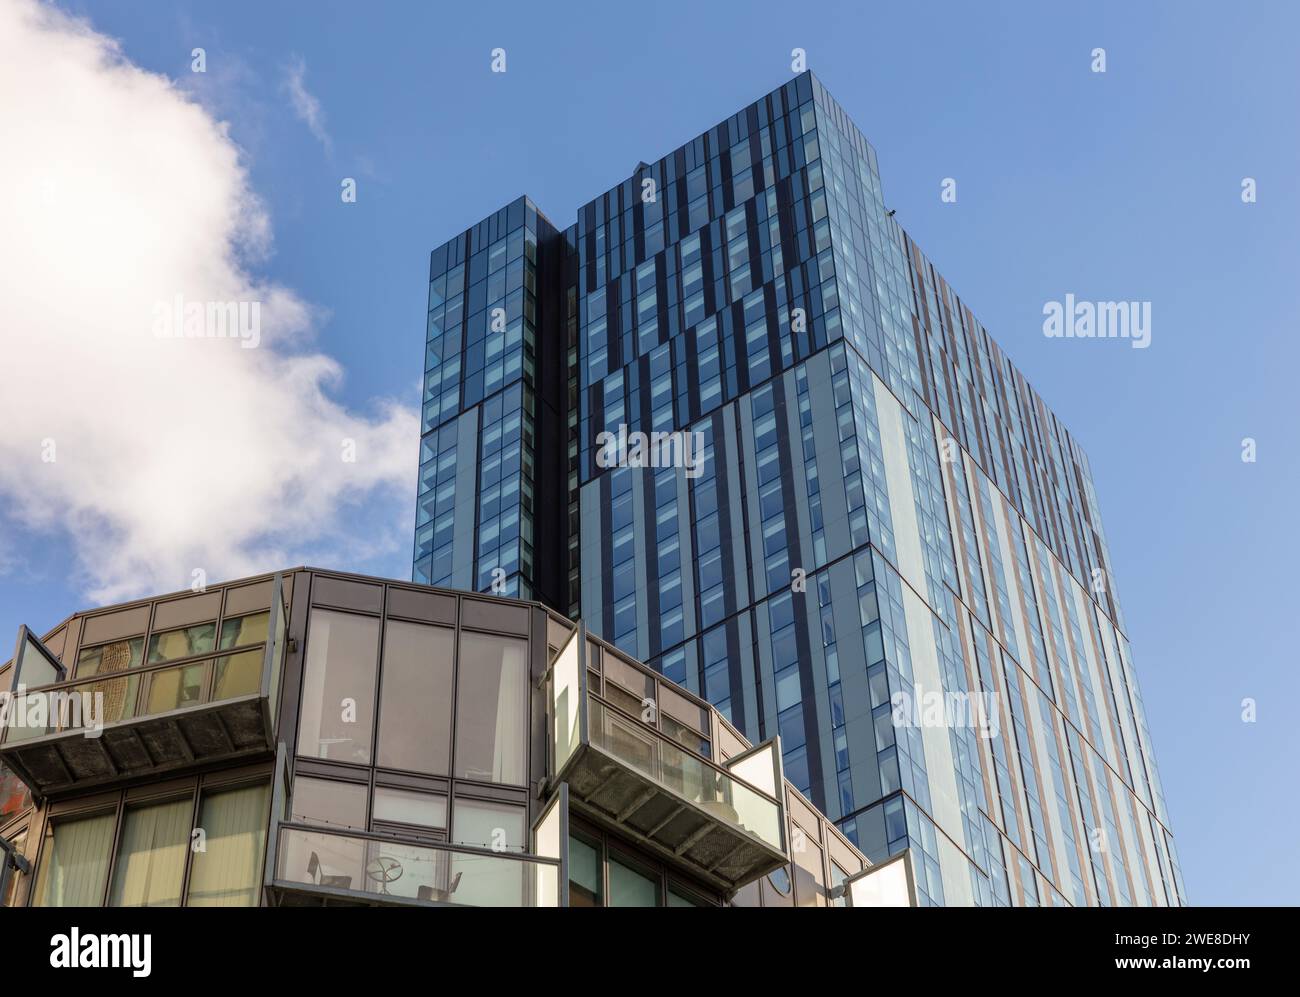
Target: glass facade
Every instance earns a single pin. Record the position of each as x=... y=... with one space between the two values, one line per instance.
x=882 y=509
x=164 y=854
x=488 y=404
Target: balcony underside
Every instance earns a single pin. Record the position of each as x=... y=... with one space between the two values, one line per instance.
x=146 y=746
x=307 y=895
x=707 y=844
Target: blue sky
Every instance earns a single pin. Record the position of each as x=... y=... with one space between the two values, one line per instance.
x=1122 y=185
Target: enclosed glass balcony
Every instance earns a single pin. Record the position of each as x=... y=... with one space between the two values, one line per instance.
x=725 y=823
x=315 y=867
x=71 y=734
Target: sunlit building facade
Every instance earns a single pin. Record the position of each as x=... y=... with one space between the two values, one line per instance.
x=882 y=508
x=312 y=738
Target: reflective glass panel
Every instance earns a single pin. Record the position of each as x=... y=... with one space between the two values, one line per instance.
x=244 y=630
x=74 y=865
x=405 y=806
x=491 y=709
x=498 y=826
x=113 y=657
x=415 y=698
x=584 y=874
x=630 y=888
x=328 y=802
x=228 y=871
x=182 y=643
x=150 y=867
x=338 y=697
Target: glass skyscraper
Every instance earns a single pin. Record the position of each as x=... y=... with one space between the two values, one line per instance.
x=889 y=551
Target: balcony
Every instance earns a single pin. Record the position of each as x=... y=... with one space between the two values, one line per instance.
x=891 y=883
x=62 y=735
x=325 y=868
x=722 y=823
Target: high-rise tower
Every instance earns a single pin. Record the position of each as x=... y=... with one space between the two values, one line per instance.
x=889 y=550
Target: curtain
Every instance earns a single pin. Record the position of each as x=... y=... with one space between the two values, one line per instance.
x=342 y=661
x=151 y=857
x=511 y=720
x=228 y=872
x=75 y=863
x=491 y=701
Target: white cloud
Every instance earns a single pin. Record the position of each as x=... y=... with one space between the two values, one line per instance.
x=305 y=105
x=117 y=191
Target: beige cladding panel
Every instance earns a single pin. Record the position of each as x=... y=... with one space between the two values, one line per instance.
x=114 y=626
x=203 y=608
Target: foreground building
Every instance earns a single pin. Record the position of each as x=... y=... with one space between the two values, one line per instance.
x=314 y=738
x=855 y=501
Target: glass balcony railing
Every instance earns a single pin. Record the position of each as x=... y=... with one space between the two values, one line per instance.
x=151 y=690
x=128 y=720
x=362 y=867
x=725 y=821
x=44 y=701
x=687 y=775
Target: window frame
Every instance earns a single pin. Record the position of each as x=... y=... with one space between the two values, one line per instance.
x=492 y=617
x=382 y=676
x=117 y=804
x=379 y=619
x=13 y=861
x=609 y=845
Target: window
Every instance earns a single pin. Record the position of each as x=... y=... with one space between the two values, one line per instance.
x=498 y=826
x=175 y=688
x=228 y=872
x=491 y=709
x=338 y=698
x=82 y=865
x=780 y=880
x=324 y=801
x=405 y=806
x=415 y=699
x=676 y=898
x=150 y=869
x=14 y=796
x=74 y=863
x=115 y=657
x=585 y=874
x=244 y=630
x=489 y=880
x=603 y=874
x=238 y=675
x=11 y=877
x=838 y=878
x=630 y=888
x=182 y=643
x=809 y=880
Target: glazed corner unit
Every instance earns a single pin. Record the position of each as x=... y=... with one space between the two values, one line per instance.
x=313 y=738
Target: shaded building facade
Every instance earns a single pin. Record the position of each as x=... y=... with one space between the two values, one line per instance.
x=883 y=508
